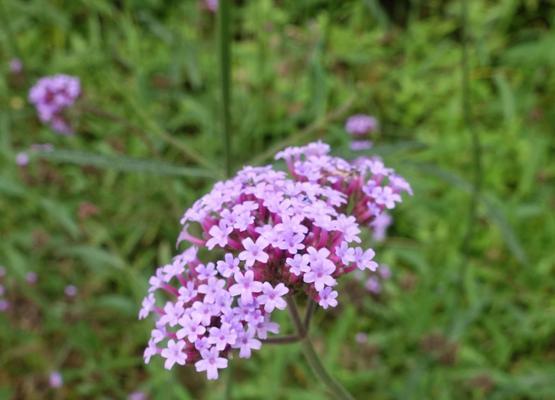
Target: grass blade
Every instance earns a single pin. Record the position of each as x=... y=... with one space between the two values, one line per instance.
x=122 y=163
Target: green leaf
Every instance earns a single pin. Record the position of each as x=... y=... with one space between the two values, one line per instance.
x=122 y=163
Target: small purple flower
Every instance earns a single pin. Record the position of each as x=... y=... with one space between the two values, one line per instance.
x=192 y=327
x=245 y=286
x=211 y=289
x=16 y=66
x=361 y=338
x=206 y=271
x=254 y=251
x=22 y=159
x=363 y=259
x=137 y=396
x=361 y=145
x=246 y=342
x=31 y=278
x=211 y=362
x=327 y=298
x=4 y=305
x=384 y=271
x=148 y=305
x=385 y=196
x=222 y=337
x=228 y=266
x=373 y=285
x=379 y=226
x=272 y=297
x=298 y=264
x=219 y=234
x=172 y=313
x=70 y=291
x=174 y=354
x=55 y=380
x=150 y=351
x=360 y=124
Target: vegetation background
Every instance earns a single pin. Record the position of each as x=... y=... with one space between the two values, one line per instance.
x=467 y=314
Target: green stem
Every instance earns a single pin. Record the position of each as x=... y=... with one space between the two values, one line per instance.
x=224 y=13
x=338 y=392
x=476 y=148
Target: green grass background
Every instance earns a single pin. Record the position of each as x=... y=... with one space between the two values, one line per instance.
x=456 y=321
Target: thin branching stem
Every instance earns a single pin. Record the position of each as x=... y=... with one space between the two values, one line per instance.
x=335 y=388
x=225 y=72
x=282 y=339
x=310 y=308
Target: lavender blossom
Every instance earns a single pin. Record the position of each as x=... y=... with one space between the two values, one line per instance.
x=55 y=380
x=16 y=66
x=70 y=291
x=137 y=396
x=52 y=95
x=361 y=145
x=22 y=159
x=361 y=125
x=264 y=235
x=31 y=278
x=4 y=305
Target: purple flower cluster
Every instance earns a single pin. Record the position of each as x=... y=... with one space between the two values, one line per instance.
x=264 y=236
x=361 y=126
x=51 y=95
x=367 y=183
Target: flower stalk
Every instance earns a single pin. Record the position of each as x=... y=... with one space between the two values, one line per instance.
x=225 y=72
x=335 y=388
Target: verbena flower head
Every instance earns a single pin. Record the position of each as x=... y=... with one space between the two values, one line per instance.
x=52 y=95
x=361 y=125
x=256 y=239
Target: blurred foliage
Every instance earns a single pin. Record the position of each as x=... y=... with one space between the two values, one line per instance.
x=433 y=333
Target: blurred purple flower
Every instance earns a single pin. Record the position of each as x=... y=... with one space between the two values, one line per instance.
x=4 y=305
x=385 y=271
x=51 y=95
x=361 y=125
x=55 y=380
x=70 y=291
x=379 y=226
x=137 y=396
x=16 y=66
x=31 y=278
x=373 y=285
x=361 y=338
x=22 y=159
x=361 y=145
